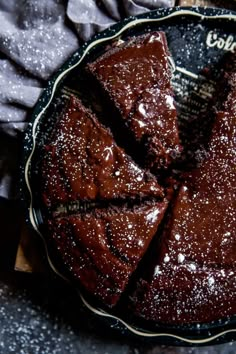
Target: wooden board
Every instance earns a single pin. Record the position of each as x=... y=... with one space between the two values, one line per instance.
x=31 y=255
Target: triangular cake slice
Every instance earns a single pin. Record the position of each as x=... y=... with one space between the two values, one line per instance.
x=100 y=250
x=129 y=68
x=136 y=76
x=83 y=162
x=194 y=276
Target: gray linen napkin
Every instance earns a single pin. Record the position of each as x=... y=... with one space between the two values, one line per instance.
x=89 y=17
x=36 y=37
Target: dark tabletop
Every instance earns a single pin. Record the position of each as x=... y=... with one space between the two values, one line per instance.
x=40 y=314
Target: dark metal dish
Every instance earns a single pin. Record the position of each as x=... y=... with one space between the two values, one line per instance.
x=198 y=39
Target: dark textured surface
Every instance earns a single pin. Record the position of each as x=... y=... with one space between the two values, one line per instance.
x=38 y=315
x=41 y=315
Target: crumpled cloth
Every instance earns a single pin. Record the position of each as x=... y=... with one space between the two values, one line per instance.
x=107 y=13
x=36 y=37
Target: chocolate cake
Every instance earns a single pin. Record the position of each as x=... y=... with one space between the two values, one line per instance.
x=193 y=272
x=102 y=249
x=136 y=75
x=85 y=163
x=169 y=251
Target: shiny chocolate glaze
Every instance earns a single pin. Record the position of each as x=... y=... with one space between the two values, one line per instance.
x=183 y=295
x=194 y=276
x=153 y=120
x=102 y=249
x=136 y=75
x=187 y=274
x=83 y=162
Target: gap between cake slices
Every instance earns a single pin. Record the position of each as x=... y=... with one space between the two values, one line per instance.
x=83 y=162
x=107 y=164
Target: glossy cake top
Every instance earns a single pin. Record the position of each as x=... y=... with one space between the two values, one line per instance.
x=136 y=76
x=205 y=208
x=153 y=121
x=131 y=67
x=196 y=258
x=85 y=163
x=102 y=249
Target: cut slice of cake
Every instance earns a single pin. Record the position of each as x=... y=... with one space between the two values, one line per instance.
x=136 y=76
x=100 y=250
x=83 y=162
x=128 y=69
x=194 y=276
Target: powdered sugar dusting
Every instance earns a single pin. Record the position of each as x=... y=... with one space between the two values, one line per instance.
x=84 y=162
x=194 y=276
x=115 y=241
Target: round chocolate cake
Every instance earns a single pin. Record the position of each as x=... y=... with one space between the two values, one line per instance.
x=155 y=236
